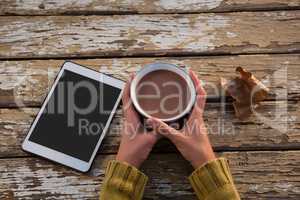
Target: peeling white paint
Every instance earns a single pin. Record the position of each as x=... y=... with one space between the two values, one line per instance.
x=292 y=118
x=293 y=3
x=53 y=4
x=43 y=6
x=11 y=82
x=9 y=127
x=132 y=34
x=31 y=182
x=200 y=35
x=48 y=36
x=231 y=34
x=283 y=13
x=284 y=186
x=188 y=5
x=253 y=187
x=163 y=186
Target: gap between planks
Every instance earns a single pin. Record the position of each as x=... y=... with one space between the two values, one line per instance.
x=149 y=55
x=233 y=150
x=108 y=13
x=108 y=7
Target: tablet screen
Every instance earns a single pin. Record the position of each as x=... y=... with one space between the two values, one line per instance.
x=75 y=115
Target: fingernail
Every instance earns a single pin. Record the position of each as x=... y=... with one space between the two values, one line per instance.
x=163 y=130
x=149 y=121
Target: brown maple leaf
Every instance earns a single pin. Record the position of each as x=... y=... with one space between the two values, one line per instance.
x=246 y=90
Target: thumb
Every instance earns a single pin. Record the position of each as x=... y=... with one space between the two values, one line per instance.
x=163 y=129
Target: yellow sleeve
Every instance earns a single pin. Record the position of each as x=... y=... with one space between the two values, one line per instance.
x=213 y=181
x=123 y=182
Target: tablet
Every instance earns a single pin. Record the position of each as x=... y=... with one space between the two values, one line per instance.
x=74 y=117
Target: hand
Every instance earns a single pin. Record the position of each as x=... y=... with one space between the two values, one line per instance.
x=192 y=141
x=136 y=142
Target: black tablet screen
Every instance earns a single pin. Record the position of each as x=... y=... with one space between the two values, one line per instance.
x=75 y=115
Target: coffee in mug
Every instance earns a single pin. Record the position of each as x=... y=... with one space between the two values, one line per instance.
x=163 y=91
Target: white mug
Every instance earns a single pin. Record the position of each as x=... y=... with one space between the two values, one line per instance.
x=163 y=66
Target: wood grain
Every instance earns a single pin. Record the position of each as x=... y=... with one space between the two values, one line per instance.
x=43 y=41
x=258 y=175
x=140 y=35
x=25 y=83
x=226 y=132
x=75 y=7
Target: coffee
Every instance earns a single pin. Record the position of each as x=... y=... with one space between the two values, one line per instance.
x=163 y=94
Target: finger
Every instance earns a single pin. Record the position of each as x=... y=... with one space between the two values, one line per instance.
x=128 y=108
x=165 y=130
x=194 y=78
x=197 y=83
x=126 y=92
x=154 y=134
x=126 y=97
x=201 y=94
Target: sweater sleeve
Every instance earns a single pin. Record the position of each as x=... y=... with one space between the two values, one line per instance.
x=213 y=181
x=123 y=181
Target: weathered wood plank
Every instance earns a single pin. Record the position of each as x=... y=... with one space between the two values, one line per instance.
x=258 y=175
x=74 y=7
x=26 y=83
x=226 y=132
x=136 y=35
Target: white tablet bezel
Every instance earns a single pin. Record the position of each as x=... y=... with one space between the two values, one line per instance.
x=59 y=156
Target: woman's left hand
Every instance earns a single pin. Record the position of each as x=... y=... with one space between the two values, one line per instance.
x=136 y=141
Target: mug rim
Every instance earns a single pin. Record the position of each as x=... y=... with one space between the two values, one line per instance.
x=169 y=67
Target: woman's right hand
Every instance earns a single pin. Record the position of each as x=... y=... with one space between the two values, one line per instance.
x=192 y=141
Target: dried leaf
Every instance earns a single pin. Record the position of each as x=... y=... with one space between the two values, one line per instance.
x=259 y=91
x=242 y=111
x=237 y=89
x=246 y=90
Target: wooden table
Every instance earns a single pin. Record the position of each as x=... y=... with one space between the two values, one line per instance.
x=118 y=37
